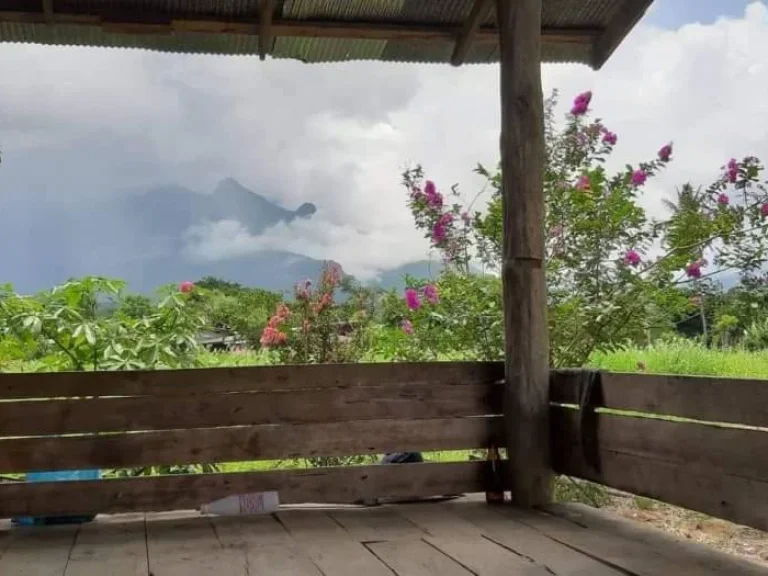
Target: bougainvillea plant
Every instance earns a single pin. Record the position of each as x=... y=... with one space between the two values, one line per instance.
x=610 y=267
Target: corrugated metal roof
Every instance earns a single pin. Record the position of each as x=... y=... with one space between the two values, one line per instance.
x=242 y=36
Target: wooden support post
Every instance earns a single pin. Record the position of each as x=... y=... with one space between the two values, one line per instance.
x=480 y=11
x=265 y=28
x=526 y=404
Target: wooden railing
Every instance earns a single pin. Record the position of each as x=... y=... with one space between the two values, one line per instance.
x=695 y=442
x=128 y=419
x=699 y=443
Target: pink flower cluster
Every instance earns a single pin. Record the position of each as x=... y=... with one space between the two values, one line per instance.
x=272 y=335
x=632 y=258
x=581 y=104
x=732 y=171
x=665 y=152
x=639 y=177
x=186 y=287
x=430 y=293
x=693 y=269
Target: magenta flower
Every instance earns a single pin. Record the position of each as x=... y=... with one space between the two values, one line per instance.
x=764 y=210
x=186 y=287
x=732 y=173
x=412 y=299
x=665 y=152
x=430 y=188
x=438 y=233
x=407 y=327
x=632 y=258
x=583 y=182
x=723 y=199
x=431 y=294
x=693 y=270
x=610 y=138
x=581 y=103
x=446 y=219
x=639 y=177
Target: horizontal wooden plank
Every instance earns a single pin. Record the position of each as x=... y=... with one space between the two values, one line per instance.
x=157 y=24
x=248 y=379
x=730 y=400
x=705 y=468
x=420 y=401
x=245 y=443
x=322 y=485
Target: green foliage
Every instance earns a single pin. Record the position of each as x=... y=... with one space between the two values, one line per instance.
x=465 y=322
x=604 y=285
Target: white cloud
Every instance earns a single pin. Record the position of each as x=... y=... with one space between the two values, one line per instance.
x=340 y=135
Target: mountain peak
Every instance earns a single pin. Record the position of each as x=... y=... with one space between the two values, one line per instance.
x=306 y=210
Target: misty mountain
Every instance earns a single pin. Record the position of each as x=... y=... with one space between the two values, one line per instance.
x=140 y=237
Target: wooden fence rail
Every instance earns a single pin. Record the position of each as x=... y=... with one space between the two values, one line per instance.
x=694 y=442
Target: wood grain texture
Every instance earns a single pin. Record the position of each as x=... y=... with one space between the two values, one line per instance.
x=680 y=550
x=268 y=548
x=632 y=558
x=122 y=546
x=191 y=547
x=526 y=405
x=466 y=544
x=731 y=400
x=705 y=468
x=249 y=379
x=345 y=485
x=244 y=443
x=420 y=401
x=529 y=543
x=330 y=547
x=35 y=552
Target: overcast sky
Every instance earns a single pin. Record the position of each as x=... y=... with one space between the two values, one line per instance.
x=78 y=122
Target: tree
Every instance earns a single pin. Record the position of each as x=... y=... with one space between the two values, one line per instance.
x=611 y=270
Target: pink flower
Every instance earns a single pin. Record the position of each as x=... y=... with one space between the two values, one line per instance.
x=407 y=327
x=438 y=233
x=639 y=177
x=693 y=270
x=723 y=199
x=272 y=337
x=665 y=152
x=581 y=103
x=632 y=258
x=412 y=299
x=732 y=173
x=610 y=138
x=430 y=188
x=582 y=183
x=431 y=294
x=283 y=312
x=446 y=219
x=466 y=217
x=186 y=287
x=764 y=210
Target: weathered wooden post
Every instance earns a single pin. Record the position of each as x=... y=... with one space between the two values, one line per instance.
x=526 y=407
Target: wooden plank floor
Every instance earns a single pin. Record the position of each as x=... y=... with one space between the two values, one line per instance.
x=459 y=538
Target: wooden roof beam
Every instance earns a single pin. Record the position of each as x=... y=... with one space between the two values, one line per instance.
x=295 y=28
x=266 y=38
x=48 y=11
x=480 y=11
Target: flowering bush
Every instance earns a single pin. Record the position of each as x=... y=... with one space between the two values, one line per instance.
x=612 y=271
x=315 y=328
